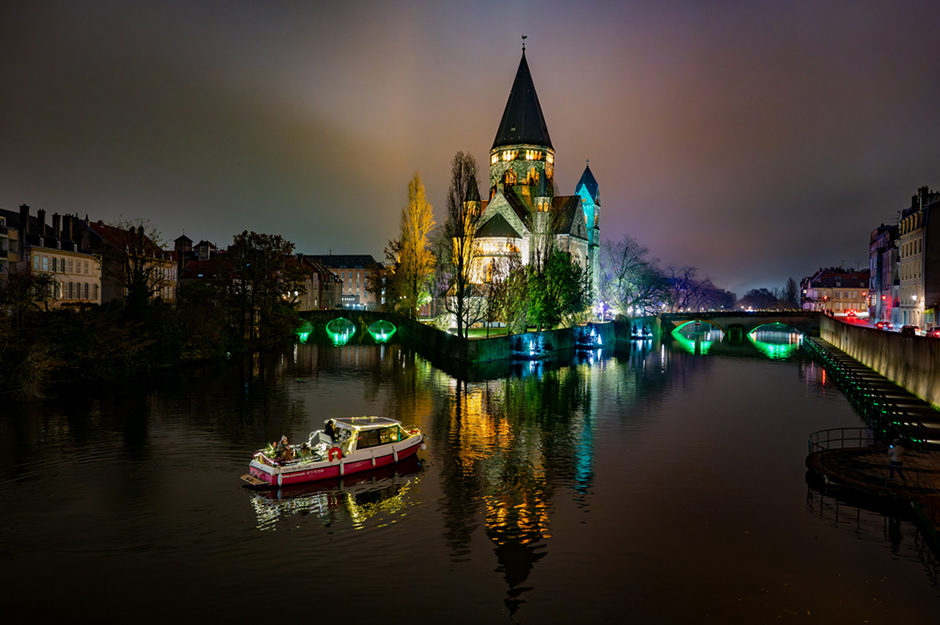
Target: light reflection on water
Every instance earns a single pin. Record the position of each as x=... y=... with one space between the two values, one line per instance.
x=644 y=480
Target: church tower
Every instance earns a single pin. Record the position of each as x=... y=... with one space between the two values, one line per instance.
x=590 y=195
x=522 y=153
x=523 y=213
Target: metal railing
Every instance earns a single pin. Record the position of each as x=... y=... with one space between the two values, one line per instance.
x=833 y=448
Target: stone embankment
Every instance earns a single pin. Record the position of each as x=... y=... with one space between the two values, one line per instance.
x=912 y=363
x=858 y=459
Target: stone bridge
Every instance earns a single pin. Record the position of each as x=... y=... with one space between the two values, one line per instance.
x=735 y=322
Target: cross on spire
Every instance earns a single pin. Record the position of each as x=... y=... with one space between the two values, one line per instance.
x=524 y=37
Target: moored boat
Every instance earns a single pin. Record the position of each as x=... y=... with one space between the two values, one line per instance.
x=345 y=446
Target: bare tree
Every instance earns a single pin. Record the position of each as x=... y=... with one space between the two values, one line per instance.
x=458 y=251
x=628 y=278
x=791 y=293
x=134 y=261
x=686 y=292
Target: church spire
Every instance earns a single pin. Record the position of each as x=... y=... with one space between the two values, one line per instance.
x=522 y=122
x=589 y=183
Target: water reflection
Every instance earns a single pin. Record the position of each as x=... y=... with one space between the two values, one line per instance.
x=777 y=342
x=588 y=473
x=883 y=522
x=353 y=499
x=697 y=338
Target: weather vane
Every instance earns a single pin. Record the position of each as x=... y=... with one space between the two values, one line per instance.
x=524 y=37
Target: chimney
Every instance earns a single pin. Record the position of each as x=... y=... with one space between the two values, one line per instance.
x=68 y=227
x=41 y=221
x=24 y=218
x=57 y=225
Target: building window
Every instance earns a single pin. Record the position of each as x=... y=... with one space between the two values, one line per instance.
x=86 y=290
x=45 y=263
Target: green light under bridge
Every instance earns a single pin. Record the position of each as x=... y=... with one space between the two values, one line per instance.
x=303 y=332
x=340 y=330
x=382 y=330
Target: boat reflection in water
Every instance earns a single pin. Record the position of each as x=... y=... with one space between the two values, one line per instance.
x=354 y=498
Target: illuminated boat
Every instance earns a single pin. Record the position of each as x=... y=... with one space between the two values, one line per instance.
x=345 y=446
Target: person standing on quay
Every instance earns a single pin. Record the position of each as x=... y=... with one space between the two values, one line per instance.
x=896 y=455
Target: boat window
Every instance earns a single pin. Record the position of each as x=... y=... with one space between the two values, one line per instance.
x=381 y=436
x=369 y=438
x=389 y=435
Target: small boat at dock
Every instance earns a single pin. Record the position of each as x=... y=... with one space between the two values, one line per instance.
x=345 y=446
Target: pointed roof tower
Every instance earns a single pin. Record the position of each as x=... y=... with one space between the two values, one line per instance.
x=589 y=183
x=523 y=122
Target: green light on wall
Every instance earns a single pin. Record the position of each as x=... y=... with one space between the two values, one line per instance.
x=340 y=330
x=382 y=330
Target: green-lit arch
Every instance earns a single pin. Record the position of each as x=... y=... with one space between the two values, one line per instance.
x=775 y=323
x=303 y=332
x=340 y=330
x=711 y=323
x=382 y=330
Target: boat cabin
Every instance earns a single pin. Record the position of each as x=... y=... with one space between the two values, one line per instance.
x=357 y=433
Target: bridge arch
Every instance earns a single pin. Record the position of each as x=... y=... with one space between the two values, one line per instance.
x=681 y=324
x=785 y=324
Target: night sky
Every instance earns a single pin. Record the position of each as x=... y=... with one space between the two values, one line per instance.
x=753 y=140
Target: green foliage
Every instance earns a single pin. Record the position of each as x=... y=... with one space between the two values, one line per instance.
x=560 y=290
x=262 y=276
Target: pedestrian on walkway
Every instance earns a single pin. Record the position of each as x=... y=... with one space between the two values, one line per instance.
x=896 y=455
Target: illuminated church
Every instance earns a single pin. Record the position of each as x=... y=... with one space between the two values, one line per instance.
x=523 y=215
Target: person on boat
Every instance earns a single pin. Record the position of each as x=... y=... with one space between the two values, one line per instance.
x=305 y=451
x=896 y=455
x=330 y=430
x=283 y=450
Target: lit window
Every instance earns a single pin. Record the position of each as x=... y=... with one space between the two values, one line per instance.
x=45 y=263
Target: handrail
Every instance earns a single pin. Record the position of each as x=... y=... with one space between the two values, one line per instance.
x=862 y=469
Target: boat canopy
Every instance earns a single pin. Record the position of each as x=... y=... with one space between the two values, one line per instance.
x=364 y=423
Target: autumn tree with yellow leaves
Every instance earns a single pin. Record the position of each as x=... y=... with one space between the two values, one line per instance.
x=410 y=261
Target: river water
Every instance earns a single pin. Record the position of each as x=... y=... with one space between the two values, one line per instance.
x=651 y=482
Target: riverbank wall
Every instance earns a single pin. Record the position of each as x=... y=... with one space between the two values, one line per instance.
x=910 y=362
x=528 y=345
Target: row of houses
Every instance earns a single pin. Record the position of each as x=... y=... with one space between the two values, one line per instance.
x=902 y=282
x=83 y=258
x=836 y=291
x=904 y=260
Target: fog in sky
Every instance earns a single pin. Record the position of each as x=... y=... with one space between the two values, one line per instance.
x=753 y=140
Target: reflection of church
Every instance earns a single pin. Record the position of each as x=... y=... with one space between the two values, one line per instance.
x=524 y=215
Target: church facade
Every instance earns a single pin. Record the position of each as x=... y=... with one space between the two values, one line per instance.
x=523 y=215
